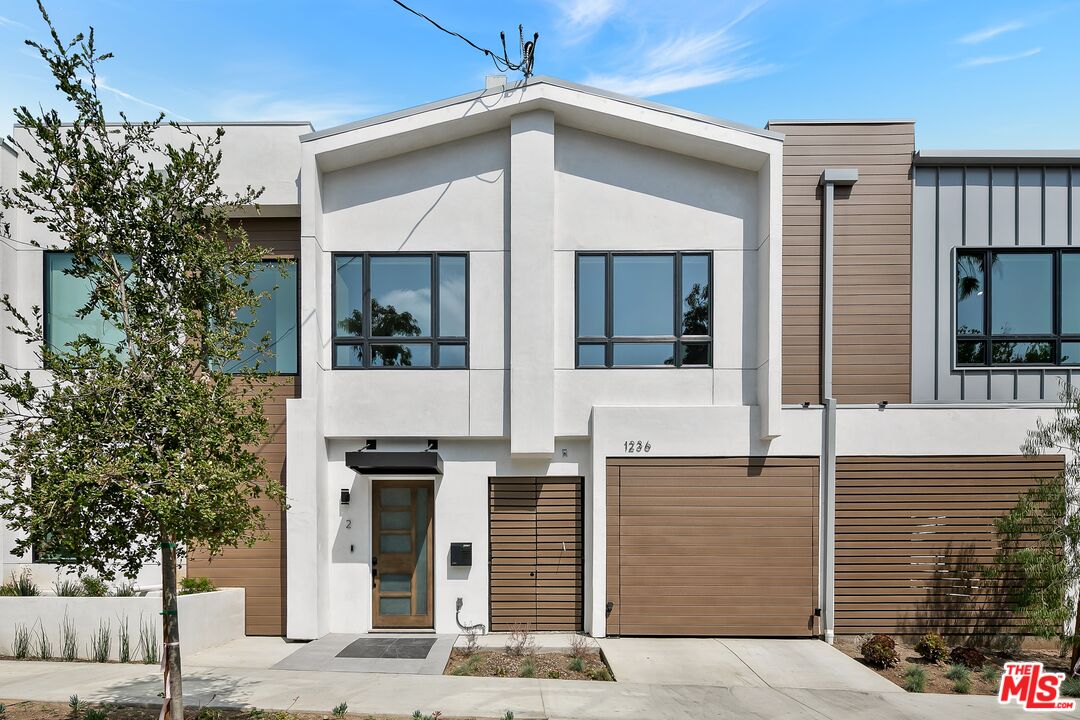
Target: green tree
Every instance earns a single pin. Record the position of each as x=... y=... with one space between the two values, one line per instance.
x=386 y=321
x=1039 y=549
x=142 y=449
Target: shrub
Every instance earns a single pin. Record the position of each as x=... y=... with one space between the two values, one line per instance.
x=915 y=679
x=519 y=641
x=880 y=652
x=95 y=714
x=43 y=645
x=340 y=709
x=123 y=636
x=600 y=674
x=125 y=588
x=93 y=586
x=75 y=706
x=20 y=642
x=69 y=640
x=579 y=646
x=472 y=642
x=577 y=665
x=417 y=715
x=101 y=642
x=1071 y=687
x=195 y=585
x=148 y=641
x=528 y=669
x=956 y=672
x=508 y=715
x=468 y=667
x=1010 y=646
x=969 y=657
x=932 y=648
x=21 y=586
x=67 y=588
x=554 y=674
x=991 y=674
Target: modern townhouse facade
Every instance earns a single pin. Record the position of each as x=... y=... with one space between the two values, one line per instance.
x=557 y=357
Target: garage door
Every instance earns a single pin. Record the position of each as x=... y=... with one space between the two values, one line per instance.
x=715 y=546
x=537 y=539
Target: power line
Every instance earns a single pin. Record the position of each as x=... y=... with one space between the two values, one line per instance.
x=502 y=62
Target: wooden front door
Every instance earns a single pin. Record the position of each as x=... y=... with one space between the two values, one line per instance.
x=401 y=563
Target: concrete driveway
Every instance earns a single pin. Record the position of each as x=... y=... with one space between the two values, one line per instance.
x=741 y=663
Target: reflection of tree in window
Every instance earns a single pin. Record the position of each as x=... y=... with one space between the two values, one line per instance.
x=969 y=286
x=696 y=314
x=1021 y=352
x=969 y=353
x=386 y=321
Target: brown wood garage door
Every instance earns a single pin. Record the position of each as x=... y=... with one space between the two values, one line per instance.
x=537 y=540
x=714 y=546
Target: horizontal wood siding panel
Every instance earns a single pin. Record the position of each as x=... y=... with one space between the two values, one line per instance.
x=537 y=553
x=712 y=546
x=260 y=569
x=912 y=533
x=872 y=262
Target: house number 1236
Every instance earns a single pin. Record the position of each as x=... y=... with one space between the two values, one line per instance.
x=637 y=446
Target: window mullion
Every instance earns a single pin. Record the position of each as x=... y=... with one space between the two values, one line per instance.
x=434 y=310
x=676 y=306
x=365 y=275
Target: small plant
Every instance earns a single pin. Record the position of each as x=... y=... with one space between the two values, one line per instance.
x=212 y=714
x=20 y=642
x=125 y=588
x=600 y=674
x=67 y=588
x=340 y=709
x=123 y=637
x=579 y=646
x=499 y=671
x=75 y=706
x=528 y=669
x=93 y=586
x=961 y=677
x=577 y=664
x=969 y=657
x=472 y=642
x=101 y=642
x=915 y=679
x=196 y=585
x=1071 y=687
x=932 y=648
x=95 y=714
x=43 y=645
x=880 y=652
x=1009 y=646
x=468 y=667
x=21 y=586
x=519 y=641
x=554 y=674
x=991 y=674
x=3 y=711
x=417 y=715
x=148 y=641
x=508 y=715
x=69 y=640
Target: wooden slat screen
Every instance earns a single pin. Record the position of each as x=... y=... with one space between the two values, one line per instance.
x=912 y=533
x=712 y=546
x=537 y=553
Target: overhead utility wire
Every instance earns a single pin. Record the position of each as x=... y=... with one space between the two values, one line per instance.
x=502 y=62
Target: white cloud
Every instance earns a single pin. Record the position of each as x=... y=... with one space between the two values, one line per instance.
x=128 y=96
x=995 y=59
x=8 y=22
x=581 y=18
x=993 y=31
x=321 y=112
x=685 y=60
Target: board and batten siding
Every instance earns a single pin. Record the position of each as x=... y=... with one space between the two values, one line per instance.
x=872 y=260
x=260 y=569
x=914 y=534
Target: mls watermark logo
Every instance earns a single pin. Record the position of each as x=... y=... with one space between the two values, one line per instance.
x=1031 y=688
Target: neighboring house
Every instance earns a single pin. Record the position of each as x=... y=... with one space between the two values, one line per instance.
x=578 y=361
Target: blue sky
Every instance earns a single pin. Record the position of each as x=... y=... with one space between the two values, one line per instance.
x=972 y=73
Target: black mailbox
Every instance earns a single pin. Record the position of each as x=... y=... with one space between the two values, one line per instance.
x=460 y=554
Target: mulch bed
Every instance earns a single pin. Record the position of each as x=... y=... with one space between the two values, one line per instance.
x=28 y=710
x=936 y=682
x=554 y=665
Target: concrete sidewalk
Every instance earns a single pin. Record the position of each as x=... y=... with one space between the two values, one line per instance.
x=482 y=697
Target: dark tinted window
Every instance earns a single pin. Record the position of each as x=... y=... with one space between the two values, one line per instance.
x=592 y=289
x=642 y=297
x=1022 y=301
x=970 y=292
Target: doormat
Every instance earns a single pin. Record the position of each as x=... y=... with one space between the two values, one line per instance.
x=396 y=648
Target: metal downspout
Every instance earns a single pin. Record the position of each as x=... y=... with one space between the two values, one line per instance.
x=829 y=180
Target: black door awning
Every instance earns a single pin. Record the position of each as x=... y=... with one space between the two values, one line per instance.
x=382 y=462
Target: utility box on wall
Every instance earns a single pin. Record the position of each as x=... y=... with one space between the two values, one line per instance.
x=460 y=554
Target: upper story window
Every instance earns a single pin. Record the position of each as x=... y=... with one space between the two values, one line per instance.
x=275 y=318
x=402 y=310
x=1017 y=307
x=644 y=309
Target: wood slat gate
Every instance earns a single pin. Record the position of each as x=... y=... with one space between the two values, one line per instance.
x=536 y=533
x=912 y=533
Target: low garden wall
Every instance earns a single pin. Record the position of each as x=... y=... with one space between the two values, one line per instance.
x=206 y=620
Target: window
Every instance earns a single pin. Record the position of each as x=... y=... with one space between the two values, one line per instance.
x=275 y=319
x=403 y=310
x=65 y=297
x=644 y=310
x=276 y=316
x=1017 y=307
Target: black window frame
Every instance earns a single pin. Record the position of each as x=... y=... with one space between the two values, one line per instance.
x=987 y=337
x=365 y=341
x=609 y=339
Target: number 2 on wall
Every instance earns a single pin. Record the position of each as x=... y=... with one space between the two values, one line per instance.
x=637 y=446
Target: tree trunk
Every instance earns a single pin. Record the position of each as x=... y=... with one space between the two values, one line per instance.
x=170 y=626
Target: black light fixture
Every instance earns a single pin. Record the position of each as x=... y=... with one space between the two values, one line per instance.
x=882 y=404
x=806 y=404
x=346 y=496
x=371 y=445
x=432 y=445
